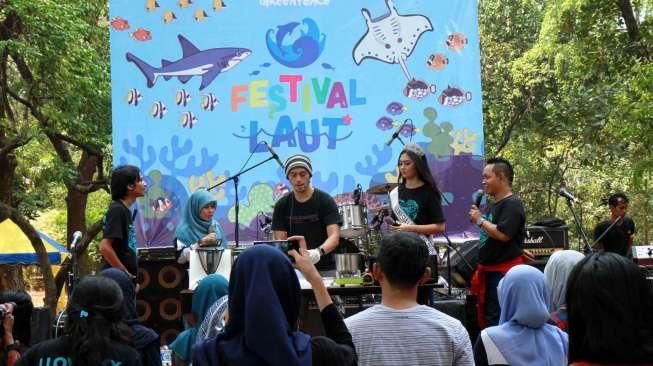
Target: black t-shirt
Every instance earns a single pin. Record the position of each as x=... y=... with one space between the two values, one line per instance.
x=118 y=225
x=421 y=204
x=57 y=352
x=617 y=240
x=510 y=218
x=309 y=219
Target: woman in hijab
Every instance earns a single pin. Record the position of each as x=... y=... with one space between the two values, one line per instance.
x=144 y=339
x=556 y=273
x=264 y=304
x=198 y=226
x=209 y=290
x=523 y=336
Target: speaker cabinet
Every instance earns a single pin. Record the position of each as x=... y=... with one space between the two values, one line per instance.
x=158 y=300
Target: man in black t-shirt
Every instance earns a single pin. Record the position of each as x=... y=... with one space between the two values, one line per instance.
x=501 y=238
x=308 y=212
x=619 y=238
x=118 y=245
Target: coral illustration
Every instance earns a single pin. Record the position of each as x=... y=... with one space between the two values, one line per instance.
x=464 y=141
x=259 y=199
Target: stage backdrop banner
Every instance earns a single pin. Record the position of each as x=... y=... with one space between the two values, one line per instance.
x=199 y=86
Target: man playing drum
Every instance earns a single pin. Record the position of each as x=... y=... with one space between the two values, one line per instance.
x=309 y=212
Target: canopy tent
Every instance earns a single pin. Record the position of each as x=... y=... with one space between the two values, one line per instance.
x=15 y=247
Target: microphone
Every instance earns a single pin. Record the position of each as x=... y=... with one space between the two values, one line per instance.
x=274 y=154
x=478 y=198
x=357 y=194
x=77 y=236
x=267 y=220
x=397 y=132
x=564 y=193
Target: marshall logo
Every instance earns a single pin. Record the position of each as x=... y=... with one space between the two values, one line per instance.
x=542 y=240
x=534 y=240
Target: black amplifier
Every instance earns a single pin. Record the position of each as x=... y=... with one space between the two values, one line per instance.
x=643 y=254
x=542 y=241
x=156 y=253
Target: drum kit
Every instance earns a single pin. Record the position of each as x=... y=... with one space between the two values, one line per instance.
x=355 y=225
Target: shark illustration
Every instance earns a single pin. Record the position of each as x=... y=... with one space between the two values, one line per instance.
x=208 y=63
x=390 y=38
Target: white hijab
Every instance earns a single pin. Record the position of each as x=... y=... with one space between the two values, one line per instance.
x=556 y=273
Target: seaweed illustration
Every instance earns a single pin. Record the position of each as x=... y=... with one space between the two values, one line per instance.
x=464 y=141
x=177 y=152
x=138 y=151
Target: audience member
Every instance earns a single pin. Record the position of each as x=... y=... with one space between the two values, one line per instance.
x=556 y=273
x=399 y=331
x=94 y=331
x=264 y=301
x=144 y=340
x=198 y=226
x=523 y=336
x=214 y=320
x=609 y=303
x=15 y=316
x=208 y=291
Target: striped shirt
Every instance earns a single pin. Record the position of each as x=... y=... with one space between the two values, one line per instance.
x=420 y=335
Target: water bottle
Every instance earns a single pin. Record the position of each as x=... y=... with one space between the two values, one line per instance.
x=166 y=356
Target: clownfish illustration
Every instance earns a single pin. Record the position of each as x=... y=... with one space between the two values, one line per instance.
x=182 y=97
x=209 y=101
x=142 y=35
x=158 y=110
x=133 y=97
x=437 y=61
x=169 y=16
x=218 y=5
x=119 y=23
x=200 y=15
x=151 y=5
x=188 y=120
x=456 y=41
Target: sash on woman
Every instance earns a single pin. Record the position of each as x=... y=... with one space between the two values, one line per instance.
x=403 y=218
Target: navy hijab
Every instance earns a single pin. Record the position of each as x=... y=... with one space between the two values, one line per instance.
x=143 y=336
x=264 y=301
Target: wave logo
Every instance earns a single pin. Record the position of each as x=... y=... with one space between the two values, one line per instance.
x=296 y=47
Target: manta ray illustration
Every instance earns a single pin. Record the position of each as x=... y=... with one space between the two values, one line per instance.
x=208 y=63
x=391 y=38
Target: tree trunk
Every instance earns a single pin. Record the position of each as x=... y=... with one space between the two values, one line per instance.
x=632 y=27
x=7 y=211
x=12 y=277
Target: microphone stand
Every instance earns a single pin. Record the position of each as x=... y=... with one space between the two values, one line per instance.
x=615 y=222
x=235 y=179
x=579 y=227
x=450 y=247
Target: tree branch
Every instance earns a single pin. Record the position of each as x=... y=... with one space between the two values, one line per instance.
x=13 y=145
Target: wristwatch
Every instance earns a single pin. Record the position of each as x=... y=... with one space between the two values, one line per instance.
x=322 y=251
x=480 y=222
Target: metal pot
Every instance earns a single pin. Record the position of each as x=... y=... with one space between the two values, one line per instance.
x=347 y=265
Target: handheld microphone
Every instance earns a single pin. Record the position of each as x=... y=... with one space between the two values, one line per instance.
x=478 y=198
x=397 y=132
x=77 y=236
x=564 y=193
x=274 y=154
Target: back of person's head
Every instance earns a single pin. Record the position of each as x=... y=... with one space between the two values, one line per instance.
x=22 y=314
x=501 y=166
x=556 y=273
x=264 y=301
x=523 y=297
x=609 y=305
x=403 y=259
x=121 y=178
x=94 y=319
x=617 y=198
x=208 y=291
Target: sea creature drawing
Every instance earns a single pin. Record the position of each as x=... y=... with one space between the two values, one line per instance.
x=208 y=63
x=169 y=16
x=254 y=73
x=328 y=66
x=303 y=51
x=456 y=41
x=188 y=120
x=133 y=97
x=453 y=97
x=209 y=101
x=395 y=108
x=182 y=97
x=158 y=110
x=119 y=23
x=418 y=89
x=218 y=5
x=265 y=64
x=151 y=5
x=184 y=3
x=142 y=35
x=390 y=38
x=437 y=61
x=384 y=123
x=200 y=15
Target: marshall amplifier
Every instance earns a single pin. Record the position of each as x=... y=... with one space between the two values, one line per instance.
x=643 y=254
x=542 y=241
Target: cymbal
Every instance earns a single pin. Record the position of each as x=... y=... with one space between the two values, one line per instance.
x=383 y=188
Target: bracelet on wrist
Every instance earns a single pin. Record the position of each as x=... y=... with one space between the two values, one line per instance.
x=480 y=222
x=12 y=347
